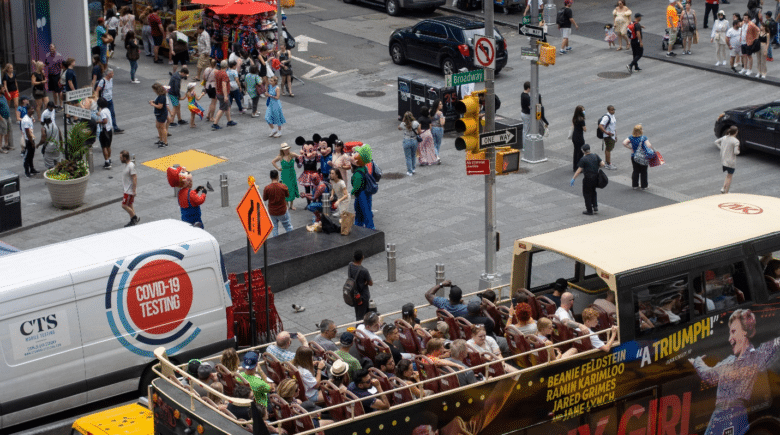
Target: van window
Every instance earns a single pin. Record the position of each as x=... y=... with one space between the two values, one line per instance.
x=724 y=287
x=661 y=304
x=547 y=266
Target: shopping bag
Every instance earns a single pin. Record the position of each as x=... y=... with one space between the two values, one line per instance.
x=347 y=220
x=656 y=160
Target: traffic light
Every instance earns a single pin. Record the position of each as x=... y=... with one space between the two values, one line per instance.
x=468 y=124
x=507 y=160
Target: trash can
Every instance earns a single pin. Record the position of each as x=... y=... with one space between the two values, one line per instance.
x=502 y=122
x=419 y=91
x=10 y=201
x=448 y=95
x=405 y=94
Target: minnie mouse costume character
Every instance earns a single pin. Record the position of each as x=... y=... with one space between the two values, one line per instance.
x=308 y=159
x=189 y=199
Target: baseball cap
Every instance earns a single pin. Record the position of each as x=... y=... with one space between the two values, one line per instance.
x=250 y=360
x=205 y=370
x=473 y=307
x=192 y=367
x=638 y=15
x=339 y=368
x=346 y=339
x=407 y=309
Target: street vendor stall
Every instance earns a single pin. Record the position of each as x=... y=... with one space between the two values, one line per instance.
x=240 y=25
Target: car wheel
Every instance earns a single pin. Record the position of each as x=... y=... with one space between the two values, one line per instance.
x=429 y=11
x=498 y=71
x=447 y=66
x=146 y=379
x=397 y=53
x=349 y=2
x=392 y=8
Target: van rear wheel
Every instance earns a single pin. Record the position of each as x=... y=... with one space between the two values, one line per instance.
x=146 y=379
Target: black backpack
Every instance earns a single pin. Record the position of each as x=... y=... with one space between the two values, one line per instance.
x=560 y=19
x=350 y=292
x=599 y=133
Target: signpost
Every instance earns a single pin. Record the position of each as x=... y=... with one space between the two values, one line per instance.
x=78 y=112
x=499 y=138
x=457 y=79
x=527 y=53
x=485 y=52
x=478 y=167
x=258 y=226
x=78 y=94
x=531 y=31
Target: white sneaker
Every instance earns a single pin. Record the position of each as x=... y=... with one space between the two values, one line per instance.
x=136 y=81
x=273 y=132
x=742 y=71
x=748 y=72
x=758 y=75
x=763 y=76
x=409 y=174
x=278 y=134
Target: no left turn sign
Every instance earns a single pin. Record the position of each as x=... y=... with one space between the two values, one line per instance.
x=485 y=52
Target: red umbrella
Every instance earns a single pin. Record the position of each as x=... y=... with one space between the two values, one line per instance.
x=244 y=8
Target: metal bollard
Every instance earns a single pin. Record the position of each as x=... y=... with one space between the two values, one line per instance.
x=90 y=160
x=391 y=262
x=372 y=306
x=325 y=205
x=223 y=184
x=439 y=273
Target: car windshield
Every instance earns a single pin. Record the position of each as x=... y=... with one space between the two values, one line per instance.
x=470 y=33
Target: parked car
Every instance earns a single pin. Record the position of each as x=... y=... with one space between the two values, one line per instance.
x=759 y=126
x=443 y=42
x=394 y=7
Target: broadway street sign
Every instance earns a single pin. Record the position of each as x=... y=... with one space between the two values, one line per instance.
x=457 y=79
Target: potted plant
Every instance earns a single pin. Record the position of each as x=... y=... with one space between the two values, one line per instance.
x=67 y=181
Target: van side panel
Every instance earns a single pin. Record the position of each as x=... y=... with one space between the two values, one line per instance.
x=168 y=297
x=40 y=339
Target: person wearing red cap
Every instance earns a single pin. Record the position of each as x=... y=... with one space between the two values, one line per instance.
x=189 y=199
x=565 y=23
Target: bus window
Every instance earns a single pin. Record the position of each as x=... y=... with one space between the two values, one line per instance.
x=547 y=266
x=725 y=286
x=771 y=264
x=661 y=303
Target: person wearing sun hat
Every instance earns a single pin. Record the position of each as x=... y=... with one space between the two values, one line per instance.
x=364 y=217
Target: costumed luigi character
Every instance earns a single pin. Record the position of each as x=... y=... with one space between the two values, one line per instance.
x=362 y=156
x=189 y=199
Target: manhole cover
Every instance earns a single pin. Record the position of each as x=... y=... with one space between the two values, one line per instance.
x=370 y=94
x=392 y=175
x=613 y=75
x=367 y=45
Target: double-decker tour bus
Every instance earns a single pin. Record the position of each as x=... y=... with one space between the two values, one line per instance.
x=689 y=292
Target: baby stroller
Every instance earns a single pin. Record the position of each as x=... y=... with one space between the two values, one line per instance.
x=665 y=43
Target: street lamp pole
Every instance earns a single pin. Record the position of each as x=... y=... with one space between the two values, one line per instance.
x=533 y=144
x=490 y=278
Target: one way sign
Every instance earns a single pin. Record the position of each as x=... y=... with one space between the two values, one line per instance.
x=498 y=138
x=532 y=31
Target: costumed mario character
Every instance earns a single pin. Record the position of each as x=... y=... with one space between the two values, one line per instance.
x=362 y=156
x=189 y=199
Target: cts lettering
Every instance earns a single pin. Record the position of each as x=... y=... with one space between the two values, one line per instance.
x=38 y=325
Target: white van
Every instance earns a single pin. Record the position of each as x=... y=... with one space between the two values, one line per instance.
x=79 y=320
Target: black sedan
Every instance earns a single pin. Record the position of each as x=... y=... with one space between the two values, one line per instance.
x=759 y=126
x=443 y=42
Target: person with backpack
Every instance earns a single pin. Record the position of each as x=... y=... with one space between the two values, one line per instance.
x=773 y=33
x=634 y=33
x=361 y=281
x=606 y=131
x=363 y=186
x=180 y=53
x=564 y=20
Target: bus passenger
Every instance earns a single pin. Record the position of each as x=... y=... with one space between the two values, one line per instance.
x=523 y=320
x=564 y=313
x=607 y=303
x=772 y=270
x=230 y=359
x=590 y=319
x=405 y=371
x=364 y=386
x=545 y=327
x=435 y=351
x=736 y=375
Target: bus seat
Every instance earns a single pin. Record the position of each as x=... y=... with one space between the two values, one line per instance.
x=363 y=344
x=474 y=358
x=281 y=411
x=304 y=422
x=493 y=370
x=518 y=344
x=406 y=336
x=291 y=372
x=449 y=382
x=274 y=368
x=447 y=317
x=506 y=312
x=428 y=372
x=355 y=409
x=383 y=381
x=583 y=344
x=491 y=311
x=540 y=357
x=333 y=397
x=561 y=333
x=226 y=378
x=536 y=307
x=401 y=393
x=423 y=337
x=771 y=284
x=465 y=327
x=380 y=346
x=548 y=306
x=318 y=350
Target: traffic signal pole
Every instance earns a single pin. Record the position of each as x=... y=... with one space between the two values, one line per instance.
x=533 y=144
x=490 y=278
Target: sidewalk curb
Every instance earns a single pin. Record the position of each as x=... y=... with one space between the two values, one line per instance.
x=65 y=216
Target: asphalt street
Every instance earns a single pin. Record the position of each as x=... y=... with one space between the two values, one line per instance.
x=436 y=216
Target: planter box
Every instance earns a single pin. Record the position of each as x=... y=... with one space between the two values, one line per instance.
x=66 y=193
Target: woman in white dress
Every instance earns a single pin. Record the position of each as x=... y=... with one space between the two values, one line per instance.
x=718 y=36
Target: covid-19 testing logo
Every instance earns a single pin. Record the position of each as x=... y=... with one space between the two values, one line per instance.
x=148 y=297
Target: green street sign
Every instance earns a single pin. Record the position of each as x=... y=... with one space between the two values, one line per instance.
x=457 y=79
